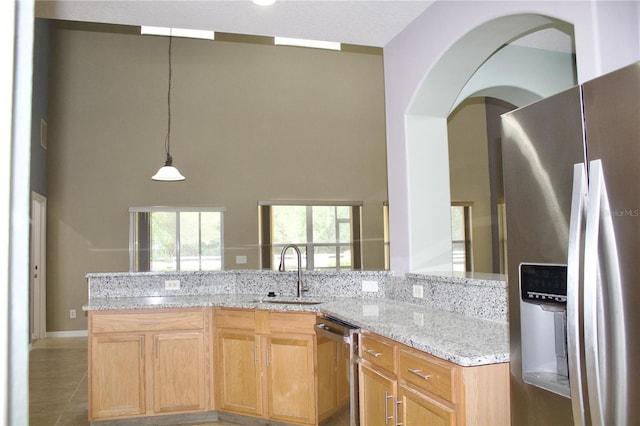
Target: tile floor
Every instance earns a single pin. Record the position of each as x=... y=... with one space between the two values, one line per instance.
x=58 y=383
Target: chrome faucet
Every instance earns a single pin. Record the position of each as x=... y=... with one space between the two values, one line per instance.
x=281 y=267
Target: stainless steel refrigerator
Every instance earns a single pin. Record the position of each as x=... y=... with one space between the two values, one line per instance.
x=572 y=194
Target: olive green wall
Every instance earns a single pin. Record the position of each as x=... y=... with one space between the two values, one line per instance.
x=250 y=122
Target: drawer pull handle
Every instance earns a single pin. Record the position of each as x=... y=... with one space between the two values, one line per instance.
x=419 y=374
x=148 y=324
x=373 y=353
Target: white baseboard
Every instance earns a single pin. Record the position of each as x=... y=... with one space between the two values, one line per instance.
x=74 y=333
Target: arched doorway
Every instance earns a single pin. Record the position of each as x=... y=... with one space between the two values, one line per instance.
x=480 y=63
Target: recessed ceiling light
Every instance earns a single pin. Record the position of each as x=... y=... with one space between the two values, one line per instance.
x=307 y=43
x=264 y=2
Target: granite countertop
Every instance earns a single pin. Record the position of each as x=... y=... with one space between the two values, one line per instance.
x=461 y=339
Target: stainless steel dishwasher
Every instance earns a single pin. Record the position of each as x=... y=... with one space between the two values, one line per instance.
x=337 y=355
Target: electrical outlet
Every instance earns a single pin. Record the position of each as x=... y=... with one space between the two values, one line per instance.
x=418 y=291
x=72 y=313
x=172 y=285
x=371 y=286
x=241 y=260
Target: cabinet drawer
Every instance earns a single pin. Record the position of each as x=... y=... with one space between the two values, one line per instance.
x=429 y=373
x=242 y=319
x=292 y=322
x=418 y=408
x=156 y=320
x=378 y=351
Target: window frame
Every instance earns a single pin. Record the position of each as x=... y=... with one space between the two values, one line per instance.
x=134 y=242
x=386 y=232
x=265 y=224
x=468 y=237
x=502 y=235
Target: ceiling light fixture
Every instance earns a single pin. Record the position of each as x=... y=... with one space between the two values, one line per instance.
x=264 y=2
x=168 y=172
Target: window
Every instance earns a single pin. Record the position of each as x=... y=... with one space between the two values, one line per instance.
x=461 y=237
x=163 y=239
x=330 y=232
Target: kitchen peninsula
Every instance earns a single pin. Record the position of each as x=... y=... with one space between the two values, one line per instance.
x=460 y=324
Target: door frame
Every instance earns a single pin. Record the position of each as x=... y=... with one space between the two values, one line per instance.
x=38 y=267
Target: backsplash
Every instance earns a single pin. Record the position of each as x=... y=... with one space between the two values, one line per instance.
x=146 y=284
x=477 y=295
x=481 y=296
x=320 y=284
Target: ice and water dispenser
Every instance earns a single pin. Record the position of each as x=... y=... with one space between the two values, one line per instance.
x=543 y=326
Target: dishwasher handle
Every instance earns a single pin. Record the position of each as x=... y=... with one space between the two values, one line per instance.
x=324 y=330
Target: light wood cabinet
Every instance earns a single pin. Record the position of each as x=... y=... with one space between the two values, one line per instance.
x=290 y=378
x=377 y=396
x=144 y=364
x=289 y=341
x=266 y=364
x=238 y=372
x=343 y=372
x=333 y=367
x=400 y=385
x=327 y=375
x=179 y=372
x=116 y=376
x=162 y=361
x=420 y=410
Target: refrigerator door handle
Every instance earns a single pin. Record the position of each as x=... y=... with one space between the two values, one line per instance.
x=574 y=293
x=604 y=328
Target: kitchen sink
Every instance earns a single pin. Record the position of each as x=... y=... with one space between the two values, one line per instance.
x=294 y=301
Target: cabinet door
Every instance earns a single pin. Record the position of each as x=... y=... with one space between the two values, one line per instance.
x=238 y=372
x=377 y=397
x=327 y=358
x=290 y=378
x=179 y=372
x=117 y=376
x=343 y=370
x=418 y=409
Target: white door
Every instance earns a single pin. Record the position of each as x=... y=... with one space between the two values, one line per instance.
x=38 y=287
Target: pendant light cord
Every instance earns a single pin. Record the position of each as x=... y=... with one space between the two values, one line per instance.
x=168 y=172
x=167 y=141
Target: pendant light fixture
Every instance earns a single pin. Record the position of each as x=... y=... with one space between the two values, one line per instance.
x=168 y=172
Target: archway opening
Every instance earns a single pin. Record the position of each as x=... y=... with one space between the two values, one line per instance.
x=495 y=60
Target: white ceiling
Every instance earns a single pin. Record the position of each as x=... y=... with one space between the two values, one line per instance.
x=557 y=38
x=360 y=22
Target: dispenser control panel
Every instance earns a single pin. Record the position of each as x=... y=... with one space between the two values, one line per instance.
x=543 y=283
